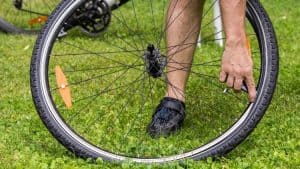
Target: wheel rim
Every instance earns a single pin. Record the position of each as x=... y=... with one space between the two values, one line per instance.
x=160 y=153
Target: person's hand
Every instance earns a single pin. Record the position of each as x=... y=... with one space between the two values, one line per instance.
x=237 y=67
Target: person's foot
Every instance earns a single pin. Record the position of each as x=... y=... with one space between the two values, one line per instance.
x=167 y=118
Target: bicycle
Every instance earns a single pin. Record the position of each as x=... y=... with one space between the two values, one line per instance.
x=23 y=16
x=96 y=95
x=27 y=16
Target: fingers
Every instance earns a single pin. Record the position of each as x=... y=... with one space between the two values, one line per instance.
x=238 y=84
x=251 y=88
x=230 y=81
x=223 y=76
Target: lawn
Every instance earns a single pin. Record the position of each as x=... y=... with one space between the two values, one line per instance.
x=26 y=143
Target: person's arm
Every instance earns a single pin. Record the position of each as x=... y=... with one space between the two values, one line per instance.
x=236 y=60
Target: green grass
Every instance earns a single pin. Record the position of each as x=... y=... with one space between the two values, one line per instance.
x=26 y=143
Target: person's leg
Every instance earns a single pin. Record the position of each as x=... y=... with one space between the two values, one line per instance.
x=183 y=25
x=183 y=22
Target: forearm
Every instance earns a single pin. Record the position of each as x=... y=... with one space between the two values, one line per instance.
x=233 y=16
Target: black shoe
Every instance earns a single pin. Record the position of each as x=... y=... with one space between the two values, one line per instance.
x=167 y=118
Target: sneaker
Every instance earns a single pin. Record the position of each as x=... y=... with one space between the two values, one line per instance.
x=167 y=118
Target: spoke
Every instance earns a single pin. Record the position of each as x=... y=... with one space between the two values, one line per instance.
x=125 y=24
x=153 y=19
x=123 y=50
x=205 y=76
x=33 y=12
x=105 y=91
x=138 y=26
x=98 y=117
x=187 y=70
x=44 y=4
x=99 y=68
x=134 y=46
x=151 y=89
x=127 y=90
x=191 y=32
x=127 y=27
x=174 y=88
x=169 y=24
x=200 y=64
x=98 y=53
x=210 y=79
x=169 y=57
x=210 y=22
x=140 y=110
x=190 y=44
x=96 y=95
x=89 y=79
x=102 y=56
x=209 y=8
x=127 y=67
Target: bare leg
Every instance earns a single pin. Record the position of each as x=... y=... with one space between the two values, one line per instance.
x=183 y=22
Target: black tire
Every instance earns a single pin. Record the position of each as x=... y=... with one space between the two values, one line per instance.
x=227 y=141
x=8 y=28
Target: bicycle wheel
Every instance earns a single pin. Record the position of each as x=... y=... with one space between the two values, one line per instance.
x=28 y=17
x=24 y=16
x=96 y=95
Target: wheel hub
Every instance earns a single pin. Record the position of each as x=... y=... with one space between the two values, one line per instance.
x=155 y=62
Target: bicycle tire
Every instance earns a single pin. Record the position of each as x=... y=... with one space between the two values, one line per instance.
x=8 y=28
x=220 y=146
